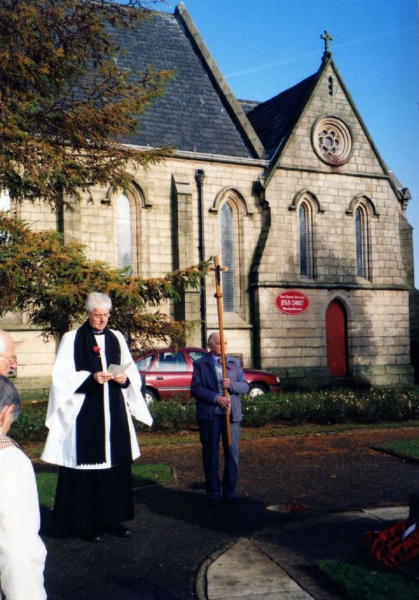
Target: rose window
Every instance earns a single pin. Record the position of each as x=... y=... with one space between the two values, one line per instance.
x=332 y=140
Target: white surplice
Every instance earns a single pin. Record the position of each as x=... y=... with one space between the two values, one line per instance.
x=65 y=404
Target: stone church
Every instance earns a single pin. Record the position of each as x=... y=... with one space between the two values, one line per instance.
x=290 y=193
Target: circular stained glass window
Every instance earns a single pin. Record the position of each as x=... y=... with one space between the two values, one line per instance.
x=332 y=140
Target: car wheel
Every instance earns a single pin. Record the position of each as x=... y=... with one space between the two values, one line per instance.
x=256 y=389
x=150 y=396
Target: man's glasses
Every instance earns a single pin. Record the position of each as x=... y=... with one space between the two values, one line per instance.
x=11 y=359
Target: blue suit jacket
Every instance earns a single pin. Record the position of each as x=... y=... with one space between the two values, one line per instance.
x=204 y=386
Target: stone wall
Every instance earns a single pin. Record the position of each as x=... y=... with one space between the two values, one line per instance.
x=165 y=226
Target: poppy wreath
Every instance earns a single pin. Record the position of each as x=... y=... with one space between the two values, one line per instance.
x=391 y=546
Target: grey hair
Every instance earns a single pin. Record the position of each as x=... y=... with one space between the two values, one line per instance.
x=9 y=396
x=210 y=337
x=95 y=299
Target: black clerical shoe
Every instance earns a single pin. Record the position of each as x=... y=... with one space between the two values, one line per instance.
x=91 y=537
x=214 y=502
x=231 y=500
x=118 y=529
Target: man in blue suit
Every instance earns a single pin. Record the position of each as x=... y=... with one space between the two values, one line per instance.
x=207 y=388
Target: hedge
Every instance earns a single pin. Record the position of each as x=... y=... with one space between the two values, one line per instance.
x=294 y=408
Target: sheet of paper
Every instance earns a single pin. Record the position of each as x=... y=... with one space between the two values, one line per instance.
x=118 y=369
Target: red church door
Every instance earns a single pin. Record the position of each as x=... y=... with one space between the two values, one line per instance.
x=336 y=339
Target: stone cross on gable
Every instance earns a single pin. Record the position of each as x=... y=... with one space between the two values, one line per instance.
x=327 y=38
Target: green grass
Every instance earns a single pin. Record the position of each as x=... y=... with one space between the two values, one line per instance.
x=33 y=396
x=142 y=475
x=149 y=474
x=47 y=483
x=151 y=438
x=405 y=449
x=361 y=582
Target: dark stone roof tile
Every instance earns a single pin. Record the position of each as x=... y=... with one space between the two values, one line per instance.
x=274 y=119
x=191 y=115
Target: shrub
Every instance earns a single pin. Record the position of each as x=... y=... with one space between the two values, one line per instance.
x=172 y=415
x=30 y=425
x=319 y=406
x=333 y=406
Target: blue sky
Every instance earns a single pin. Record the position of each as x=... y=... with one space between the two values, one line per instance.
x=263 y=47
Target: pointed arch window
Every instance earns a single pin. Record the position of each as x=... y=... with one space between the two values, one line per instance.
x=227 y=257
x=305 y=219
x=362 y=242
x=5 y=203
x=123 y=232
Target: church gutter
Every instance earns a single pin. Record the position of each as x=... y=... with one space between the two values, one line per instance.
x=327 y=286
x=340 y=172
x=221 y=158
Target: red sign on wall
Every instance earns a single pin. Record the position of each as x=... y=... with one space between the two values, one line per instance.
x=292 y=302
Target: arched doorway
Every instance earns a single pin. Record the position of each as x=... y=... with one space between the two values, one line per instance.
x=336 y=336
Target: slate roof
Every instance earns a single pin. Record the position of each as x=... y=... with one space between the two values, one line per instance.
x=248 y=105
x=275 y=119
x=192 y=115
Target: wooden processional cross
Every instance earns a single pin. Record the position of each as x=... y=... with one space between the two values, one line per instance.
x=218 y=295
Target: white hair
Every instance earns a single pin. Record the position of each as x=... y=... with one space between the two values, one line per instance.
x=95 y=299
x=211 y=336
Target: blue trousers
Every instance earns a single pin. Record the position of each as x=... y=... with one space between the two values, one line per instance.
x=210 y=433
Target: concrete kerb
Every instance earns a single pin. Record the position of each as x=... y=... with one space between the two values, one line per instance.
x=274 y=575
x=201 y=587
x=262 y=576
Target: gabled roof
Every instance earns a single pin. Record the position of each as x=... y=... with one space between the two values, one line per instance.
x=195 y=114
x=275 y=119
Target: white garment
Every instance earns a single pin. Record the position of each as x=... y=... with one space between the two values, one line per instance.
x=65 y=404
x=22 y=552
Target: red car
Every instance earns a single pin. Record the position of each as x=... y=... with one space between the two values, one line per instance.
x=169 y=373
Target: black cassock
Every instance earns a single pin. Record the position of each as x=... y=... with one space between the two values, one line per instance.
x=89 y=500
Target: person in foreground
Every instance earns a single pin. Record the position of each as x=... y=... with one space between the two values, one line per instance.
x=207 y=387
x=7 y=352
x=22 y=552
x=91 y=433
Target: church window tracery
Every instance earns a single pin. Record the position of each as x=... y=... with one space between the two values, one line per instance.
x=231 y=214
x=305 y=219
x=332 y=140
x=227 y=257
x=128 y=215
x=123 y=232
x=362 y=242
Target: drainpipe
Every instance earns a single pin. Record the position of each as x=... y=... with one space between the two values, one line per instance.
x=200 y=178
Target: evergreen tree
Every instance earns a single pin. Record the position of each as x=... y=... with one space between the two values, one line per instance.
x=65 y=104
x=49 y=279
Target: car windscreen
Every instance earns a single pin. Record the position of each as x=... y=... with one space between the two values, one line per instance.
x=195 y=354
x=170 y=361
x=144 y=363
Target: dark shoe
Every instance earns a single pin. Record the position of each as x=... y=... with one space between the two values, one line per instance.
x=119 y=530
x=231 y=500
x=93 y=538
x=214 y=502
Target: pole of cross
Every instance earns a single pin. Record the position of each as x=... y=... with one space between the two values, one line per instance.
x=218 y=295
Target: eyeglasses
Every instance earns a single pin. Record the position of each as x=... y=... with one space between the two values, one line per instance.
x=11 y=359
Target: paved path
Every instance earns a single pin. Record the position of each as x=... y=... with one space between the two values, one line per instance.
x=280 y=564
x=181 y=548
